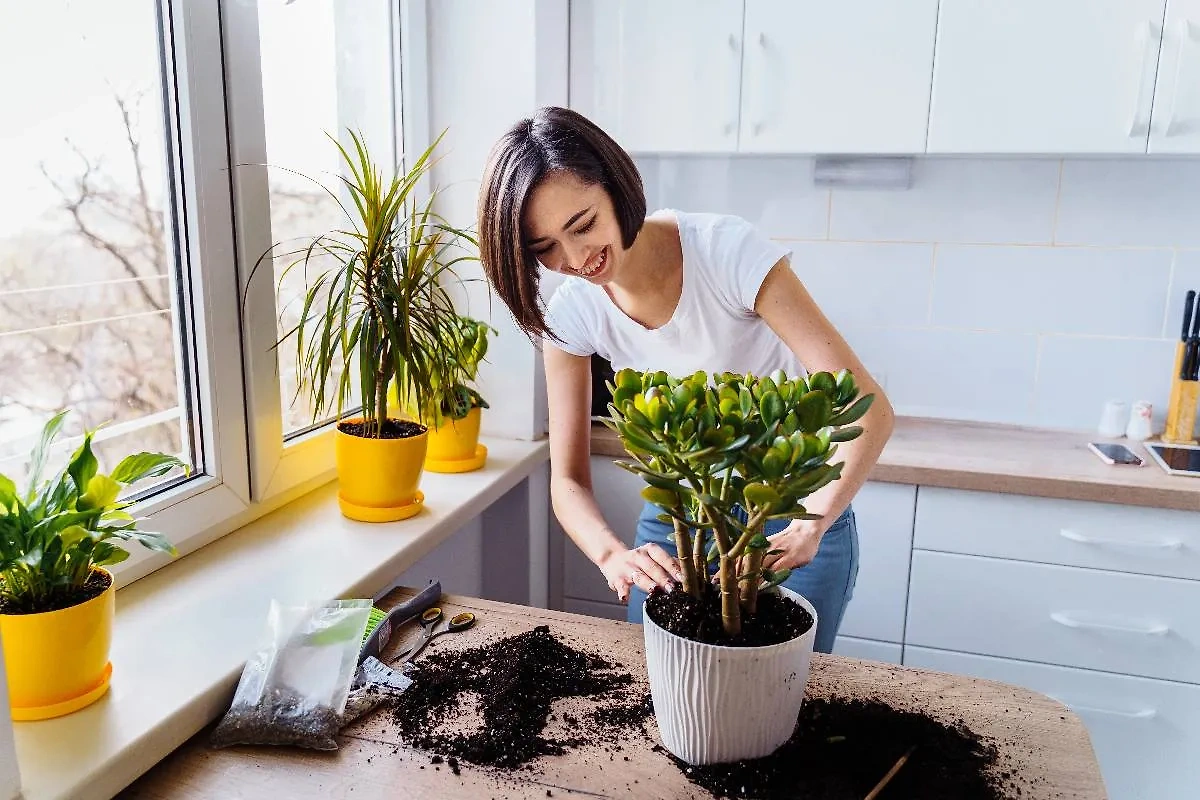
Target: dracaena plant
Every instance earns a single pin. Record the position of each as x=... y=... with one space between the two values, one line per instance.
x=55 y=531
x=708 y=449
x=380 y=311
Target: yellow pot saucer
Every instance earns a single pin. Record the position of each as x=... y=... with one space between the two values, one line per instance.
x=390 y=514
x=459 y=464
x=31 y=713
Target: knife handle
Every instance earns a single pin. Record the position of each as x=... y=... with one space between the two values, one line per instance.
x=1196 y=318
x=1187 y=314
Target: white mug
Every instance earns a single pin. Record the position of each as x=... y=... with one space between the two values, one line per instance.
x=1139 y=428
x=1112 y=421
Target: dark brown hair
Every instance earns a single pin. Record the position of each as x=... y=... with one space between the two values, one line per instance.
x=552 y=140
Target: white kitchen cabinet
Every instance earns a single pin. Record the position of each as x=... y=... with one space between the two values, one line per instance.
x=884 y=515
x=1146 y=733
x=1175 y=123
x=659 y=77
x=1112 y=621
x=1044 y=76
x=1075 y=533
x=846 y=77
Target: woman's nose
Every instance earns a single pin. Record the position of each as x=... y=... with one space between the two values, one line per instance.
x=574 y=258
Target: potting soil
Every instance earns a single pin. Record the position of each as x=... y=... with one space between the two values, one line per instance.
x=842 y=748
x=509 y=686
x=776 y=620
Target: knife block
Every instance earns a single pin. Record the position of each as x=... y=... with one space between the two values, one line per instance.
x=1181 y=406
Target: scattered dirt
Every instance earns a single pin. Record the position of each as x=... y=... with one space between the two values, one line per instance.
x=93 y=587
x=490 y=705
x=842 y=748
x=778 y=619
x=392 y=429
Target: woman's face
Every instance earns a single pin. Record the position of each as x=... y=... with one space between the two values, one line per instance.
x=571 y=228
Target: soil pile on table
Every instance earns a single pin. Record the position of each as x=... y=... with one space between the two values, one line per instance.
x=489 y=705
x=777 y=619
x=842 y=748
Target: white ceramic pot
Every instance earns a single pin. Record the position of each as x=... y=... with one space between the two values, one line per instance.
x=715 y=704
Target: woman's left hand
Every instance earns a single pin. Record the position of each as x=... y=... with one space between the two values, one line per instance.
x=798 y=541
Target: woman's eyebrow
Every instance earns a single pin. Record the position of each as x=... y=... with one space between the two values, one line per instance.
x=568 y=224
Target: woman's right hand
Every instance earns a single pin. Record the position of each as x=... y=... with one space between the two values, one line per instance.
x=646 y=566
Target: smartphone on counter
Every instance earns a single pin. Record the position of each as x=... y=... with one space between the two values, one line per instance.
x=1111 y=453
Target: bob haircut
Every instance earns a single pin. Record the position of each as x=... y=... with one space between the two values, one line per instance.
x=552 y=140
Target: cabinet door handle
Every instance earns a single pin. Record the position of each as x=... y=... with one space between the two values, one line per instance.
x=1141 y=713
x=1139 y=124
x=764 y=98
x=1185 y=42
x=1162 y=544
x=1146 y=629
x=735 y=48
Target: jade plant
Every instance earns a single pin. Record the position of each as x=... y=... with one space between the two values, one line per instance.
x=55 y=532
x=738 y=443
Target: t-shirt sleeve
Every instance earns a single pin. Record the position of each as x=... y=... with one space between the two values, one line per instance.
x=565 y=318
x=741 y=258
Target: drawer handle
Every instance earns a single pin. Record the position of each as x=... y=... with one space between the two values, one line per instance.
x=1162 y=544
x=1143 y=713
x=1148 y=629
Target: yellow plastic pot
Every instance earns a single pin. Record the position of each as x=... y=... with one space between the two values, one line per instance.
x=454 y=445
x=378 y=478
x=57 y=661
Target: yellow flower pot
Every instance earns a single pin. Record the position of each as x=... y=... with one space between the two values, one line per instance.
x=454 y=445
x=57 y=661
x=378 y=478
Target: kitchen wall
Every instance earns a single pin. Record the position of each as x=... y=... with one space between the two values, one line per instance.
x=1015 y=290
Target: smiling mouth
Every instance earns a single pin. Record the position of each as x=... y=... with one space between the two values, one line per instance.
x=596 y=265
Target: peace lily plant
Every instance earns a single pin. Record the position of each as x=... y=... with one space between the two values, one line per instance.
x=721 y=457
x=56 y=598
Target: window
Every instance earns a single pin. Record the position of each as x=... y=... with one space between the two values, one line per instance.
x=89 y=311
x=307 y=71
x=135 y=201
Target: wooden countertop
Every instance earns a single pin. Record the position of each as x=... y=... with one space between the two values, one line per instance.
x=1007 y=459
x=1047 y=742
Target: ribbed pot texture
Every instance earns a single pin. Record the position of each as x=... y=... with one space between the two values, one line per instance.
x=717 y=704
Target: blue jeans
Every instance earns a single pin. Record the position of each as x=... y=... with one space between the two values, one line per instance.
x=827 y=582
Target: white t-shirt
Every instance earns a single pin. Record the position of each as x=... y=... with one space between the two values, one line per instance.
x=714 y=327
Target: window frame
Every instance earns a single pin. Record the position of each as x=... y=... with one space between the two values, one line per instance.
x=278 y=464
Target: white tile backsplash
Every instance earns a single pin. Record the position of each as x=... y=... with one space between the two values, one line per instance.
x=898 y=294
x=953 y=374
x=776 y=194
x=1051 y=289
x=1077 y=374
x=1020 y=290
x=1134 y=202
x=1002 y=201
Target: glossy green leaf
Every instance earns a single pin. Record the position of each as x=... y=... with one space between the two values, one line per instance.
x=83 y=464
x=102 y=491
x=813 y=410
x=660 y=496
x=854 y=412
x=846 y=434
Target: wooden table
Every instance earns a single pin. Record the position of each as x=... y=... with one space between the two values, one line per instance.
x=1029 y=729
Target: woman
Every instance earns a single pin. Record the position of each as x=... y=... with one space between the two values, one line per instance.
x=672 y=291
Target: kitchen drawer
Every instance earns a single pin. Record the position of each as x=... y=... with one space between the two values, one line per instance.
x=1131 y=624
x=1146 y=733
x=867 y=649
x=617 y=492
x=884 y=514
x=1151 y=541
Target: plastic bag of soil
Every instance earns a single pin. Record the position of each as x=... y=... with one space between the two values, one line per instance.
x=293 y=689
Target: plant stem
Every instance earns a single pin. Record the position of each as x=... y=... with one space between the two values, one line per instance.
x=699 y=563
x=683 y=546
x=753 y=566
x=731 y=616
x=381 y=389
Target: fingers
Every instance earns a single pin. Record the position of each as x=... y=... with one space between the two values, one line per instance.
x=657 y=565
x=621 y=587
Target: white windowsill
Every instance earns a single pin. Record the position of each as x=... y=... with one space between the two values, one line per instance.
x=184 y=632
